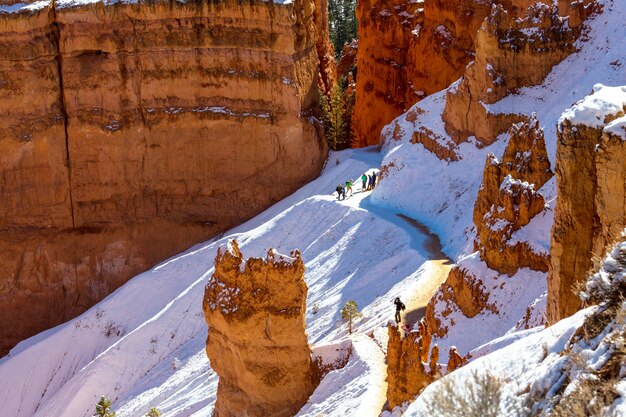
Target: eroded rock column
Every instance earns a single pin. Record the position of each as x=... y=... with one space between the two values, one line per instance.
x=590 y=172
x=255 y=310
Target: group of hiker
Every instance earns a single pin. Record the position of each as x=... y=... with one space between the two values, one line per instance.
x=368 y=183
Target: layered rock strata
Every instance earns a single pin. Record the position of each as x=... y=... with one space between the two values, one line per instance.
x=407 y=50
x=591 y=185
x=255 y=310
x=516 y=36
x=128 y=132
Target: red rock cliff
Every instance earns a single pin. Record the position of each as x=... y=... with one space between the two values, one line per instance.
x=407 y=50
x=129 y=132
x=591 y=185
x=257 y=344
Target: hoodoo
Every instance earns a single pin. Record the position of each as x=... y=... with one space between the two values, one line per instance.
x=130 y=131
x=255 y=310
x=591 y=183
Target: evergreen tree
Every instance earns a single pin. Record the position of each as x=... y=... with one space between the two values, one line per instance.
x=103 y=408
x=335 y=118
x=342 y=23
x=350 y=311
x=154 y=412
x=337 y=129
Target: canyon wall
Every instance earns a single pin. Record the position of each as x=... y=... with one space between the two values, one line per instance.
x=517 y=46
x=255 y=310
x=514 y=37
x=129 y=132
x=591 y=184
x=408 y=50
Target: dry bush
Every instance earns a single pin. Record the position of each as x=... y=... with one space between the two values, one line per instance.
x=590 y=398
x=480 y=396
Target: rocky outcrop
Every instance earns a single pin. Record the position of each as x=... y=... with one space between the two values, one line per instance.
x=591 y=184
x=347 y=59
x=413 y=364
x=508 y=199
x=514 y=37
x=129 y=132
x=255 y=310
x=407 y=50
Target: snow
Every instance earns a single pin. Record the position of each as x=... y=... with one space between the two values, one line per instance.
x=593 y=110
x=24 y=7
x=143 y=346
x=617 y=127
x=358 y=389
x=509 y=297
x=537 y=233
x=439 y=194
x=530 y=364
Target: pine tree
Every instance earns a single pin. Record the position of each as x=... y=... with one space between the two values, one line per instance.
x=335 y=118
x=103 y=408
x=154 y=412
x=337 y=129
x=350 y=311
x=343 y=24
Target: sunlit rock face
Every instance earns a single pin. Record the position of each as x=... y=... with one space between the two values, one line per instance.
x=413 y=363
x=591 y=184
x=255 y=310
x=408 y=50
x=509 y=199
x=129 y=132
x=517 y=45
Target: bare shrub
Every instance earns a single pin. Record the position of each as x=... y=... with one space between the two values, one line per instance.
x=481 y=395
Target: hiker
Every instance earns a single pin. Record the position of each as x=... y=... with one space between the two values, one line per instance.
x=349 y=187
x=373 y=180
x=399 y=307
x=341 y=192
x=364 y=181
x=370 y=183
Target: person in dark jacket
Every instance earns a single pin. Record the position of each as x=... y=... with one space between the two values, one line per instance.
x=341 y=192
x=399 y=307
x=373 y=180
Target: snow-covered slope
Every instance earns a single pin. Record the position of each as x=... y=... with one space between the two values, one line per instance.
x=441 y=194
x=143 y=345
x=573 y=368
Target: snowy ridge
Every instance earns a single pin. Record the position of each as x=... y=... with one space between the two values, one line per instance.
x=441 y=194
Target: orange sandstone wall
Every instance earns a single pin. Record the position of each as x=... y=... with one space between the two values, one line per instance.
x=408 y=50
x=132 y=131
x=591 y=206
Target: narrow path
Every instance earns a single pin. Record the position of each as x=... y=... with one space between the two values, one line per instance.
x=436 y=269
x=439 y=267
x=438 y=264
